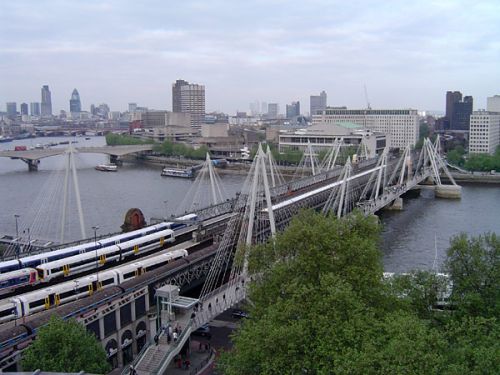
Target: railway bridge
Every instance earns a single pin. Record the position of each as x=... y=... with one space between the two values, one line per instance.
x=261 y=209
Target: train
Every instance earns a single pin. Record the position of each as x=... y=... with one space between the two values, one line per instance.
x=98 y=258
x=49 y=256
x=23 y=272
x=53 y=296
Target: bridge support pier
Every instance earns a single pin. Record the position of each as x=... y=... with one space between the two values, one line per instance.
x=396 y=205
x=448 y=191
x=32 y=164
x=113 y=159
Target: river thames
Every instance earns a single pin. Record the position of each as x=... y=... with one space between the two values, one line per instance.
x=411 y=238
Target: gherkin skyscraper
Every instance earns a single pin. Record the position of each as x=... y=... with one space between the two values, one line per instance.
x=75 y=105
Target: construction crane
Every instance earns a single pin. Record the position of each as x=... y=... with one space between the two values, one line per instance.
x=366 y=97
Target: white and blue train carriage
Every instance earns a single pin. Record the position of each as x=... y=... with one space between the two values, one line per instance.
x=50 y=256
x=43 y=299
x=98 y=258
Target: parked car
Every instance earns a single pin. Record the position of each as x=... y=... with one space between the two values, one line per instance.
x=239 y=314
x=203 y=331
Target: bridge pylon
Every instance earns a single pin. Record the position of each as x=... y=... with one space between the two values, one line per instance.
x=249 y=225
x=71 y=168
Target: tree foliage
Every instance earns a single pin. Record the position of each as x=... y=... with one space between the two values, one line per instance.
x=170 y=148
x=119 y=139
x=65 y=346
x=321 y=306
x=474 y=267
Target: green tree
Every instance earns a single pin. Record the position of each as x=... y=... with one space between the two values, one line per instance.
x=118 y=139
x=473 y=346
x=474 y=267
x=418 y=291
x=65 y=346
x=320 y=306
x=454 y=157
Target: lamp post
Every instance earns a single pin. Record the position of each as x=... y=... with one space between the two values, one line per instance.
x=95 y=228
x=29 y=238
x=16 y=216
x=166 y=209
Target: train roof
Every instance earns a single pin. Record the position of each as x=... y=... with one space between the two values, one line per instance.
x=17 y=273
x=57 y=252
x=71 y=259
x=9 y=263
x=158 y=226
x=138 y=241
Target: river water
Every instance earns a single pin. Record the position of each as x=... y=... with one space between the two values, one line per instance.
x=416 y=237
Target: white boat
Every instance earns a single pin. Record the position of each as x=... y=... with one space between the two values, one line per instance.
x=174 y=172
x=107 y=168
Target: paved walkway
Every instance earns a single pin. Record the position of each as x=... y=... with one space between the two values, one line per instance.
x=200 y=355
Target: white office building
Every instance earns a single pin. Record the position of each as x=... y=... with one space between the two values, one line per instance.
x=323 y=136
x=484 y=136
x=401 y=125
x=493 y=103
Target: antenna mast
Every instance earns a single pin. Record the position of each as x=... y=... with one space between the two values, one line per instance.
x=366 y=97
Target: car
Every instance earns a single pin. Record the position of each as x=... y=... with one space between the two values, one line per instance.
x=203 y=331
x=240 y=314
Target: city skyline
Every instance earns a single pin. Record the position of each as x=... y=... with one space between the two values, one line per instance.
x=407 y=56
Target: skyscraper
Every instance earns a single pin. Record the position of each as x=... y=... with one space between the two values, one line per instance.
x=189 y=98
x=318 y=103
x=75 y=106
x=11 y=109
x=272 y=110
x=458 y=111
x=493 y=103
x=293 y=110
x=35 y=109
x=46 y=108
x=24 y=109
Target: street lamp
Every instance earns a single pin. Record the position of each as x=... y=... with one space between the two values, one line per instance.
x=95 y=228
x=17 y=228
x=16 y=216
x=29 y=238
x=166 y=209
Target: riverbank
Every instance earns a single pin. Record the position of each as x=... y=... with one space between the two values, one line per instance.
x=239 y=168
x=473 y=178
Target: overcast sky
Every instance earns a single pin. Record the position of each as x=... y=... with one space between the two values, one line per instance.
x=407 y=53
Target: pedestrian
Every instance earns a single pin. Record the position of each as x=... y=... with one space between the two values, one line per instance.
x=175 y=336
x=156 y=339
x=179 y=361
x=188 y=363
x=210 y=307
x=170 y=330
x=206 y=347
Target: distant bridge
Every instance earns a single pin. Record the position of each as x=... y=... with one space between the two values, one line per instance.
x=32 y=157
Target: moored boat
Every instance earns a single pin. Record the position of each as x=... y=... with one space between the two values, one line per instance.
x=106 y=168
x=175 y=172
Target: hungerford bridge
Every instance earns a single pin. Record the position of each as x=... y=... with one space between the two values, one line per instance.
x=263 y=207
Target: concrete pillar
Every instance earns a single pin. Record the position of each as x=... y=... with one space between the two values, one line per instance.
x=115 y=160
x=448 y=191
x=32 y=164
x=396 y=205
x=101 y=327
